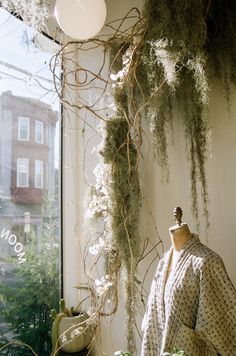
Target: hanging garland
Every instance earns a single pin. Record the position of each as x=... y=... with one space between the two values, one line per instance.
x=120 y=153
x=116 y=199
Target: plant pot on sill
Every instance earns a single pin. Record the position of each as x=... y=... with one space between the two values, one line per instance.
x=70 y=331
x=73 y=333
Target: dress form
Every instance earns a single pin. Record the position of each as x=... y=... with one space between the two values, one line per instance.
x=194 y=308
x=179 y=234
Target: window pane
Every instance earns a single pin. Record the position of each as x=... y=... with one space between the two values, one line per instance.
x=38 y=174
x=39 y=132
x=29 y=192
x=23 y=128
x=22 y=172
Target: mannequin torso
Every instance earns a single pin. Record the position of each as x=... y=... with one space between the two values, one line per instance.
x=179 y=235
x=192 y=302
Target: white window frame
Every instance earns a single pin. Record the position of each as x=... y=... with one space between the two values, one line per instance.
x=38 y=163
x=19 y=163
x=72 y=261
x=21 y=119
x=39 y=124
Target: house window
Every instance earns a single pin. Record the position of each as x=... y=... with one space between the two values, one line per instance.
x=38 y=174
x=22 y=172
x=23 y=128
x=38 y=131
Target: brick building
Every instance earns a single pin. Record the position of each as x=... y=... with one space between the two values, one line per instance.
x=27 y=167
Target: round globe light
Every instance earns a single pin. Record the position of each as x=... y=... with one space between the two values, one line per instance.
x=80 y=19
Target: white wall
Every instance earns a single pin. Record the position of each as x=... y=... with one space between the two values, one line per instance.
x=161 y=197
x=221 y=175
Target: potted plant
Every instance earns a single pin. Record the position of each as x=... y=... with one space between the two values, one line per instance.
x=71 y=331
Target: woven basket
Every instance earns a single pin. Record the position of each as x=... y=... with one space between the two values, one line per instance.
x=71 y=334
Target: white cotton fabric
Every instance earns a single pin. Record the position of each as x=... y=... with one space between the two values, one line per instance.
x=198 y=314
x=169 y=278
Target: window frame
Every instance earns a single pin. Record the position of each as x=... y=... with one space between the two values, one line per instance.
x=18 y=173
x=19 y=128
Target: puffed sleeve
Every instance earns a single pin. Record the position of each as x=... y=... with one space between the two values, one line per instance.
x=216 y=317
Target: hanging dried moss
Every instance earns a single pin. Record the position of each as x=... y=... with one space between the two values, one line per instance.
x=182 y=44
x=119 y=151
x=194 y=114
x=173 y=49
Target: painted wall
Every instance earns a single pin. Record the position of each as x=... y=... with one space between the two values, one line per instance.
x=221 y=174
x=161 y=197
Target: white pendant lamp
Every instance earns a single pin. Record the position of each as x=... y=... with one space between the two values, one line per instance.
x=81 y=19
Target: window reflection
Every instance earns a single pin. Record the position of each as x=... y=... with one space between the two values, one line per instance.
x=29 y=191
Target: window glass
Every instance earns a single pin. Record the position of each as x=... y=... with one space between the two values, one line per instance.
x=38 y=174
x=22 y=172
x=29 y=190
x=23 y=128
x=38 y=131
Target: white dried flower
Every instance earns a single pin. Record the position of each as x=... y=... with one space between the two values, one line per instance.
x=167 y=59
x=103 y=285
x=120 y=77
x=113 y=77
x=100 y=202
x=97 y=247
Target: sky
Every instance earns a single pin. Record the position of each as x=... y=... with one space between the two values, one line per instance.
x=18 y=50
